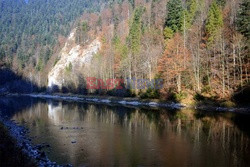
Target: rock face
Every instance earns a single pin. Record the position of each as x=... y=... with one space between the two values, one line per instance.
x=72 y=55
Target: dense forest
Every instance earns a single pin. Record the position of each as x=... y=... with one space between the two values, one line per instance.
x=200 y=48
x=30 y=29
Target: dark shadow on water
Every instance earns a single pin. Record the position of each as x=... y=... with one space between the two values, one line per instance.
x=10 y=105
x=242 y=121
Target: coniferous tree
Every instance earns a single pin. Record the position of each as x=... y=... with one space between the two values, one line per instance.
x=175 y=15
x=243 y=19
x=191 y=11
x=2 y=54
x=135 y=31
x=214 y=22
x=221 y=2
x=132 y=2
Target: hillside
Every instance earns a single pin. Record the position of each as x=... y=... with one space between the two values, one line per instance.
x=200 y=49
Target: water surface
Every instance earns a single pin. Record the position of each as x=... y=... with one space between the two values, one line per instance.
x=101 y=135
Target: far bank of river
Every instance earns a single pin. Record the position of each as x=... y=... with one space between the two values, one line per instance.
x=135 y=102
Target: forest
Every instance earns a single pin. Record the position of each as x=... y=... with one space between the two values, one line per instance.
x=199 y=48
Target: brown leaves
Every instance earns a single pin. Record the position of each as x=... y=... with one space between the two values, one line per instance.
x=175 y=58
x=174 y=61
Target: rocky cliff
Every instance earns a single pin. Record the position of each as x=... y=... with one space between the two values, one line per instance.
x=72 y=56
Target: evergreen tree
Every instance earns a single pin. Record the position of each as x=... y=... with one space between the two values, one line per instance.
x=214 y=22
x=191 y=12
x=84 y=32
x=135 y=31
x=243 y=19
x=39 y=65
x=175 y=15
x=2 y=54
x=222 y=3
x=85 y=27
x=132 y=2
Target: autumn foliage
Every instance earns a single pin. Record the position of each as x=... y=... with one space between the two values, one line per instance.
x=172 y=64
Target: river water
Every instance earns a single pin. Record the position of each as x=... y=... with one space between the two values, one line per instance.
x=85 y=134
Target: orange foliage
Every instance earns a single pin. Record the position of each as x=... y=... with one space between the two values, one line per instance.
x=174 y=61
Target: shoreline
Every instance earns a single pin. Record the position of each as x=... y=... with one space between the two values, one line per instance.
x=19 y=134
x=123 y=101
x=134 y=102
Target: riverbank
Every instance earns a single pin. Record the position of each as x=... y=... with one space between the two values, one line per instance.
x=127 y=101
x=16 y=148
x=10 y=153
x=137 y=102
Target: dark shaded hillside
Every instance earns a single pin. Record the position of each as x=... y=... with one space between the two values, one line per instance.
x=10 y=82
x=242 y=96
x=198 y=48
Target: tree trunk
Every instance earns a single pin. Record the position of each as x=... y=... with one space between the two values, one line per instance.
x=179 y=83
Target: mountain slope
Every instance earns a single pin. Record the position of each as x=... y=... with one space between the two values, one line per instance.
x=31 y=28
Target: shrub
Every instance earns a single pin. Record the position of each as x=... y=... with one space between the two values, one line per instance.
x=206 y=89
x=228 y=104
x=150 y=94
x=180 y=96
x=69 y=67
x=199 y=97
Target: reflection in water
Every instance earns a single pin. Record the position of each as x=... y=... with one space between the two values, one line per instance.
x=119 y=136
x=55 y=113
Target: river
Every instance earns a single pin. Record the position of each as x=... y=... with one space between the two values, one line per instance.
x=85 y=134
